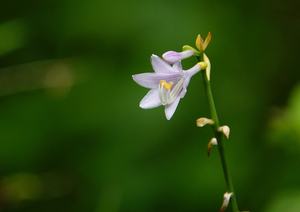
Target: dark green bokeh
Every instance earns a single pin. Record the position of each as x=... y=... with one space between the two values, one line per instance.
x=74 y=139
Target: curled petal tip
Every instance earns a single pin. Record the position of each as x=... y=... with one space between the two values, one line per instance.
x=225 y=130
x=203 y=121
x=225 y=201
x=212 y=142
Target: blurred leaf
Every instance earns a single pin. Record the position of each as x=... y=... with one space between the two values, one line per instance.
x=13 y=35
x=284 y=128
x=285 y=200
x=21 y=186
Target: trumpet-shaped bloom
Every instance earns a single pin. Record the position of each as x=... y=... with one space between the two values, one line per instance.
x=168 y=84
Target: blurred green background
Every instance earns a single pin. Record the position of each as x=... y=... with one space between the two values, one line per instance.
x=72 y=135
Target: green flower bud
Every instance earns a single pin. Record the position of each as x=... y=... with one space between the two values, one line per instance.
x=187 y=47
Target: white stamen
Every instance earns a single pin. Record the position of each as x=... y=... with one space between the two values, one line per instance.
x=168 y=95
x=176 y=90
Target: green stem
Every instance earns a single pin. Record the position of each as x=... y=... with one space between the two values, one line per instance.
x=219 y=137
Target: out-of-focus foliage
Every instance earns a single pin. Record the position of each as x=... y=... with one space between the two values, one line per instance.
x=285 y=126
x=72 y=137
x=286 y=200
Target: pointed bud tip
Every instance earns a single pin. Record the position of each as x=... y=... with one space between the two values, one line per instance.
x=207 y=41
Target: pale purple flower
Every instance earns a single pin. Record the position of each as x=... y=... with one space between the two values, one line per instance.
x=168 y=84
x=173 y=57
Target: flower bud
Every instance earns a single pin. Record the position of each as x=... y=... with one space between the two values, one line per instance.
x=212 y=142
x=225 y=130
x=172 y=57
x=201 y=122
x=225 y=201
x=187 y=47
x=200 y=44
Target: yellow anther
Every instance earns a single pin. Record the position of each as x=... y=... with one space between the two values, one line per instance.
x=165 y=84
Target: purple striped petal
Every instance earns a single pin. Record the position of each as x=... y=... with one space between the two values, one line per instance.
x=186 y=83
x=178 y=68
x=160 y=66
x=192 y=71
x=151 y=80
x=173 y=57
x=170 y=108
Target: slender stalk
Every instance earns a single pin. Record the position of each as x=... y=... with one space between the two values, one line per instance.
x=219 y=137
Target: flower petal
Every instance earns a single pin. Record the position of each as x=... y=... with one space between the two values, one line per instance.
x=170 y=108
x=186 y=83
x=199 y=42
x=151 y=100
x=192 y=71
x=178 y=67
x=183 y=92
x=151 y=80
x=172 y=57
x=207 y=40
x=160 y=66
